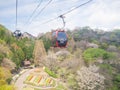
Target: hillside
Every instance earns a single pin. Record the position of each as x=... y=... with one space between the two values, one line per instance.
x=92 y=54
x=91 y=61
x=12 y=53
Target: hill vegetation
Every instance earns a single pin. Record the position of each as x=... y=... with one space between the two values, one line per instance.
x=91 y=60
x=12 y=53
x=93 y=54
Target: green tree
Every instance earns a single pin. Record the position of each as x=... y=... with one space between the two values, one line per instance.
x=91 y=54
x=28 y=50
x=47 y=43
x=18 y=56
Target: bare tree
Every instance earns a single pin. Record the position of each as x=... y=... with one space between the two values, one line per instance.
x=51 y=61
x=90 y=79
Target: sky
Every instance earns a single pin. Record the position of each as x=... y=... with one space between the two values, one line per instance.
x=101 y=14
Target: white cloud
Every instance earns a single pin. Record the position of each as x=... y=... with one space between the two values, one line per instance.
x=106 y=15
x=98 y=14
x=4 y=3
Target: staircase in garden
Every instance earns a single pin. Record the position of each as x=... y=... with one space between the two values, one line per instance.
x=39 y=52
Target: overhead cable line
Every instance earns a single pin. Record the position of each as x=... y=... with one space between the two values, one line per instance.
x=76 y=7
x=34 y=11
x=16 y=14
x=67 y=12
x=42 y=9
x=16 y=33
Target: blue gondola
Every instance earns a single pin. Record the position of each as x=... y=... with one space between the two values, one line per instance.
x=17 y=33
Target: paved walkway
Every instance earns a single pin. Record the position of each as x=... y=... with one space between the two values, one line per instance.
x=19 y=83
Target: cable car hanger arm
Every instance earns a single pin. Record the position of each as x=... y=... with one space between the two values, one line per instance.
x=62 y=17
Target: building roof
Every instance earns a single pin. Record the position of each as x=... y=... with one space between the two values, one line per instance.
x=27 y=62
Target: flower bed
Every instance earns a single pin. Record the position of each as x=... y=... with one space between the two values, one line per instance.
x=37 y=80
x=29 y=78
x=40 y=80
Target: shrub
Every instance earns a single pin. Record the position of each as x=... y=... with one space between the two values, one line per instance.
x=7 y=87
x=107 y=67
x=117 y=81
x=9 y=80
x=51 y=73
x=91 y=54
